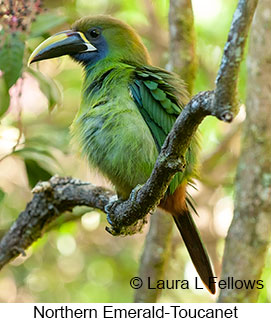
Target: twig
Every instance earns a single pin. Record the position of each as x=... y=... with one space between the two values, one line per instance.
x=227 y=77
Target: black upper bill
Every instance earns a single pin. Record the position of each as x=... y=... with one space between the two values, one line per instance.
x=64 y=43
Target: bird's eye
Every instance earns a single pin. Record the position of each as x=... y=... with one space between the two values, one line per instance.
x=95 y=33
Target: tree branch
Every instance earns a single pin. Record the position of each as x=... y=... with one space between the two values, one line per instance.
x=182 y=46
x=50 y=200
x=155 y=255
x=227 y=77
x=220 y=103
x=249 y=235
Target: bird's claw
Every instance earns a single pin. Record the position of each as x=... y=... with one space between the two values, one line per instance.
x=109 y=209
x=115 y=227
x=109 y=219
x=134 y=192
x=110 y=206
x=110 y=230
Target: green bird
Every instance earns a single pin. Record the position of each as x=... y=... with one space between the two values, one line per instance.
x=128 y=108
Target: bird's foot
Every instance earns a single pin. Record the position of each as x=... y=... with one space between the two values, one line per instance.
x=114 y=228
x=134 y=193
x=122 y=224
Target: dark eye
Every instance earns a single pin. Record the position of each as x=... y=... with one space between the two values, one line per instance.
x=95 y=33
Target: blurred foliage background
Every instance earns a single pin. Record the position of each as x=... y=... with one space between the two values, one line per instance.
x=77 y=261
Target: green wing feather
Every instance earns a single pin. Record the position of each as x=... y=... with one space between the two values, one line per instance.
x=160 y=97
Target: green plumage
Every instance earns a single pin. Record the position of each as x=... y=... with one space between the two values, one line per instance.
x=126 y=113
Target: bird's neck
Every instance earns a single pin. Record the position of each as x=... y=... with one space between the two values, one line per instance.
x=93 y=72
x=95 y=75
x=104 y=65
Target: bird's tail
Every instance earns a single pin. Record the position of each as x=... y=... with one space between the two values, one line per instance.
x=195 y=247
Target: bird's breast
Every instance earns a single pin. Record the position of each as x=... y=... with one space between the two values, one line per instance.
x=115 y=138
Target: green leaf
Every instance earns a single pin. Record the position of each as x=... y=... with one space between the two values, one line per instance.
x=49 y=88
x=35 y=172
x=42 y=156
x=2 y=195
x=4 y=95
x=11 y=58
x=38 y=154
x=44 y=23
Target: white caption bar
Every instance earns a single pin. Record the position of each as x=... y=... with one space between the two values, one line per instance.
x=102 y=312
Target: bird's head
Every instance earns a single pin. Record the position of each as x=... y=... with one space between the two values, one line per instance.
x=92 y=39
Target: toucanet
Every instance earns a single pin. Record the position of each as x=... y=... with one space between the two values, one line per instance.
x=128 y=107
